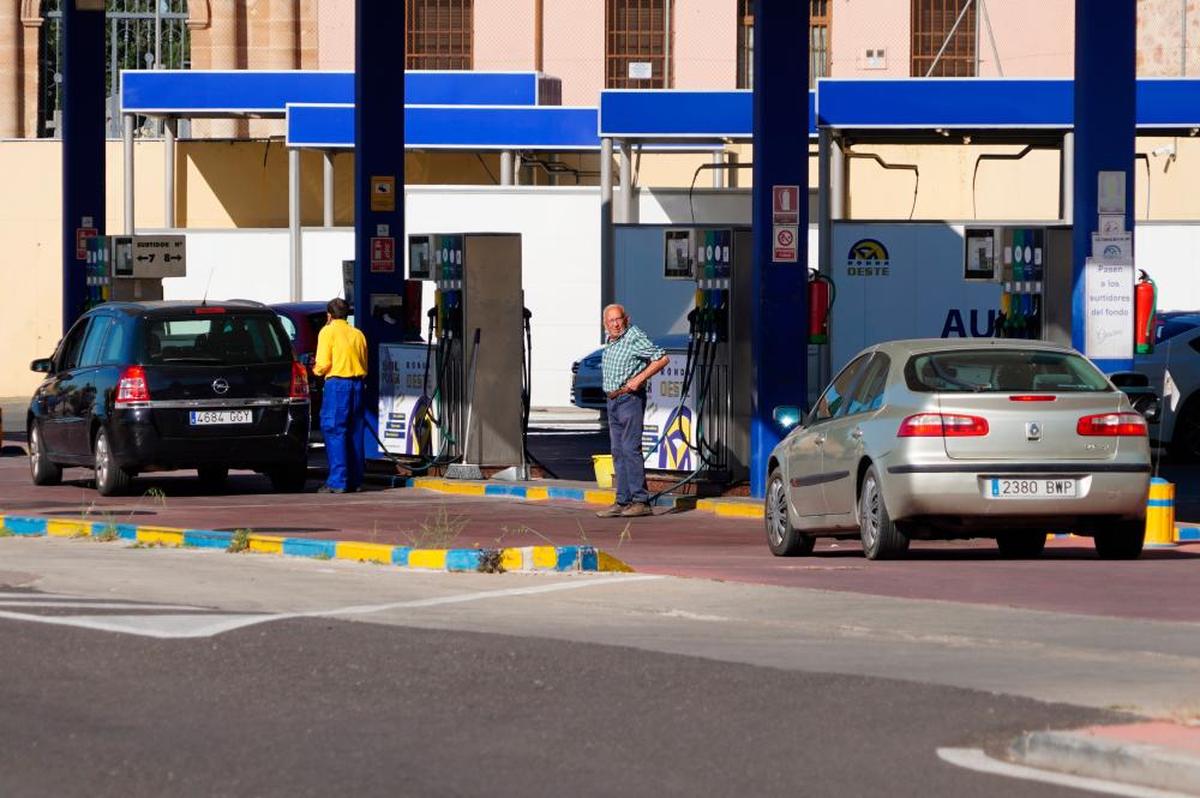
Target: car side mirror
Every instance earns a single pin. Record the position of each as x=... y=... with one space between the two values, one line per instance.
x=43 y=365
x=787 y=416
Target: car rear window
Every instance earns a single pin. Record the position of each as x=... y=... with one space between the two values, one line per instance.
x=997 y=370
x=231 y=339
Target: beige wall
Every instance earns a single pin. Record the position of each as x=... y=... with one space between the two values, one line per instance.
x=1161 y=38
x=574 y=48
x=504 y=36
x=704 y=45
x=1045 y=48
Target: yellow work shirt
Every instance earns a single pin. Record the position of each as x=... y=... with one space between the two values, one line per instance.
x=341 y=351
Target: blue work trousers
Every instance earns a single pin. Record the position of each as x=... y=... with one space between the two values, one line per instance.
x=625 y=415
x=342 y=411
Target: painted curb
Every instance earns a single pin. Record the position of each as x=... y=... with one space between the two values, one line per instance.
x=526 y=559
x=1131 y=763
x=726 y=508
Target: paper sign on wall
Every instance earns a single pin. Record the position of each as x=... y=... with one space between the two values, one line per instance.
x=1108 y=310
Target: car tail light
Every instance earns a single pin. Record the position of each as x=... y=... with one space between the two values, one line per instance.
x=132 y=386
x=1032 y=397
x=1112 y=424
x=942 y=425
x=299 y=389
x=209 y=310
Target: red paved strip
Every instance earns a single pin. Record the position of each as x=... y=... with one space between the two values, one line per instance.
x=1160 y=733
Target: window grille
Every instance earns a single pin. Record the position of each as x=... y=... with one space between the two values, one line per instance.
x=820 y=21
x=636 y=34
x=130 y=44
x=932 y=24
x=439 y=34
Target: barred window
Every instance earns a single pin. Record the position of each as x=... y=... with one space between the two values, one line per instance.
x=819 y=23
x=439 y=34
x=638 y=49
x=943 y=23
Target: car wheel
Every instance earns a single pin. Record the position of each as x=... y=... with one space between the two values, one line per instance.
x=783 y=539
x=213 y=477
x=1122 y=541
x=111 y=479
x=1021 y=545
x=289 y=479
x=882 y=539
x=1185 y=440
x=44 y=472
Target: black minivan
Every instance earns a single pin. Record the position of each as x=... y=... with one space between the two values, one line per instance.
x=158 y=386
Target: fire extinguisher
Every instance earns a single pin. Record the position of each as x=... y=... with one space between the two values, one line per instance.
x=1145 y=304
x=821 y=294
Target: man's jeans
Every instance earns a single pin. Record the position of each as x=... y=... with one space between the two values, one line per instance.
x=342 y=410
x=625 y=437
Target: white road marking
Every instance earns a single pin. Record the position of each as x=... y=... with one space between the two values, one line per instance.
x=98 y=605
x=192 y=626
x=975 y=759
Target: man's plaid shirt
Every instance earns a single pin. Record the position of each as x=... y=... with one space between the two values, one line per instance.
x=626 y=356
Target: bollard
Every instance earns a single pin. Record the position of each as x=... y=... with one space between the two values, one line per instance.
x=1160 y=513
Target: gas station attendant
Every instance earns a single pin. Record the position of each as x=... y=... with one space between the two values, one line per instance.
x=342 y=361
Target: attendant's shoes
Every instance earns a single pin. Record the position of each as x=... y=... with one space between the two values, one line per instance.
x=611 y=511
x=636 y=510
x=327 y=489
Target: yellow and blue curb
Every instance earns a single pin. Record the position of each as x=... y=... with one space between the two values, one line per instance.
x=726 y=508
x=557 y=559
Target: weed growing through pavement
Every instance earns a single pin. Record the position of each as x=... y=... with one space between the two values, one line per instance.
x=624 y=536
x=108 y=534
x=240 y=541
x=491 y=561
x=5 y=532
x=437 y=531
x=148 y=544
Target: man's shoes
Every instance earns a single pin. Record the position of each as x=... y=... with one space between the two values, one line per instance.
x=327 y=489
x=636 y=510
x=611 y=511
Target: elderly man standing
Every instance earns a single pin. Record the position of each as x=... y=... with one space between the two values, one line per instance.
x=342 y=361
x=630 y=360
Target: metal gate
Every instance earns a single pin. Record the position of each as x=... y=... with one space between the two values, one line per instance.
x=139 y=34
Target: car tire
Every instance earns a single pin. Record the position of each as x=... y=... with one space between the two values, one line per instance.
x=111 y=479
x=289 y=479
x=44 y=471
x=783 y=539
x=1021 y=545
x=1122 y=542
x=1185 y=439
x=882 y=538
x=213 y=477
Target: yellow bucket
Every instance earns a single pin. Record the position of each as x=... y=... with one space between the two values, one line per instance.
x=603 y=466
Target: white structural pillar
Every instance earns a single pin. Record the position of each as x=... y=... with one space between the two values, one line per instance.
x=718 y=172
x=627 y=204
x=1066 y=186
x=506 y=168
x=127 y=157
x=328 y=186
x=295 y=278
x=607 y=267
x=169 y=127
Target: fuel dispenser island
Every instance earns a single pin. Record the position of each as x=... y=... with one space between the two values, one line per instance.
x=697 y=423
x=461 y=396
x=131 y=268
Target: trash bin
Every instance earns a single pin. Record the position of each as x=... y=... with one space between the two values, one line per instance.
x=603 y=466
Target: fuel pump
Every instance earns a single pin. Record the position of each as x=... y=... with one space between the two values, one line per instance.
x=698 y=412
x=460 y=397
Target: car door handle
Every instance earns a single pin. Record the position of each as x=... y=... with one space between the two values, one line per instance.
x=819 y=440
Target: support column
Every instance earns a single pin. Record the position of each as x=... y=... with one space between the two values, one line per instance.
x=778 y=323
x=83 y=172
x=169 y=128
x=1105 y=131
x=607 y=264
x=718 y=174
x=826 y=192
x=517 y=167
x=128 y=189
x=839 y=180
x=627 y=200
x=379 y=157
x=328 y=186
x=506 y=168
x=295 y=254
x=10 y=71
x=1066 y=186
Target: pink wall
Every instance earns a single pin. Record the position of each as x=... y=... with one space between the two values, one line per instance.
x=705 y=44
x=335 y=34
x=858 y=26
x=1035 y=38
x=574 y=47
x=504 y=35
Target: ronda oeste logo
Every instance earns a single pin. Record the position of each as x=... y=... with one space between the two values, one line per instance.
x=868 y=257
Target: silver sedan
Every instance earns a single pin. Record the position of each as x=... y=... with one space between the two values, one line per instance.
x=944 y=439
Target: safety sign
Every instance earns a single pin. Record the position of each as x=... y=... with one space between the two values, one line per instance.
x=383 y=193
x=785 y=204
x=82 y=234
x=784 y=247
x=383 y=254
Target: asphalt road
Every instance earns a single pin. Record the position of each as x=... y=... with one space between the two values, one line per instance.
x=326 y=705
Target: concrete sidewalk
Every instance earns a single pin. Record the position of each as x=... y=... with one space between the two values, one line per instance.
x=1159 y=754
